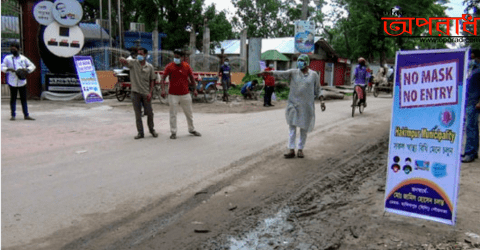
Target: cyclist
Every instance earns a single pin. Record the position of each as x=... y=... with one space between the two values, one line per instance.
x=361 y=77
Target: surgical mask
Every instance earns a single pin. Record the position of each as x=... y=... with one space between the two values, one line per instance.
x=301 y=64
x=140 y=58
x=14 y=52
x=176 y=60
x=270 y=65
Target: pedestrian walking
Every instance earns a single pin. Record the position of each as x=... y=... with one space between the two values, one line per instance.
x=225 y=72
x=304 y=86
x=181 y=76
x=142 y=76
x=269 y=86
x=472 y=108
x=17 y=67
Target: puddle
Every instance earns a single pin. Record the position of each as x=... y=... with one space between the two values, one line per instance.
x=269 y=234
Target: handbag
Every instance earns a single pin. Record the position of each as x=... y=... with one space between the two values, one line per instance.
x=21 y=73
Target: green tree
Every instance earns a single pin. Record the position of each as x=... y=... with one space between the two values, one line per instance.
x=270 y=18
x=362 y=33
x=172 y=17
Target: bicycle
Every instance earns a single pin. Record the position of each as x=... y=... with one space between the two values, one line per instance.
x=358 y=99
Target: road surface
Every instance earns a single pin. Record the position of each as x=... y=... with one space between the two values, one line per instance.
x=76 y=171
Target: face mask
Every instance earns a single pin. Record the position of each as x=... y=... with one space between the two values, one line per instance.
x=176 y=60
x=301 y=64
x=14 y=52
x=226 y=63
x=140 y=58
x=270 y=65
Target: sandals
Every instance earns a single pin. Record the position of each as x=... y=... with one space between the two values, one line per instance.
x=289 y=155
x=173 y=136
x=300 y=153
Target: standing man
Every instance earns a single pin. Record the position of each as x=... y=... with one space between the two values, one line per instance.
x=142 y=76
x=300 y=112
x=17 y=68
x=269 y=86
x=179 y=73
x=226 y=79
x=472 y=108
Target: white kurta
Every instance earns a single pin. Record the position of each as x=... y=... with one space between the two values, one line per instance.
x=304 y=88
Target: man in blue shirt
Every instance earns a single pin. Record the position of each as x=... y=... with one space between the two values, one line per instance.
x=247 y=89
x=472 y=108
x=225 y=71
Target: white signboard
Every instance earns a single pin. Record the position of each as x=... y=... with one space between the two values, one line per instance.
x=43 y=12
x=67 y=12
x=88 y=79
x=63 y=41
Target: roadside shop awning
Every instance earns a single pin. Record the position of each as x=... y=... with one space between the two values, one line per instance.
x=273 y=55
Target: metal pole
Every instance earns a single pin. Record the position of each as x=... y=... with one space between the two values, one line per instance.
x=120 y=25
x=110 y=21
x=305 y=9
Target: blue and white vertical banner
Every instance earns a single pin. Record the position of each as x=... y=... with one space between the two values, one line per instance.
x=88 y=79
x=426 y=134
x=304 y=37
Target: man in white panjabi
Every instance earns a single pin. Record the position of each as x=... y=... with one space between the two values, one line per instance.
x=304 y=86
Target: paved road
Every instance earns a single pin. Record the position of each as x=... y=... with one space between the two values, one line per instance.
x=78 y=168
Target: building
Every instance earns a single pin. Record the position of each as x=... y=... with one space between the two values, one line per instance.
x=333 y=69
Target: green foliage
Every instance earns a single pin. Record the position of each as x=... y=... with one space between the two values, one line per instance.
x=176 y=18
x=270 y=18
x=472 y=6
x=248 y=78
x=361 y=33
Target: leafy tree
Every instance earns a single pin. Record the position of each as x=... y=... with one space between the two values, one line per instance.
x=270 y=18
x=361 y=33
x=172 y=17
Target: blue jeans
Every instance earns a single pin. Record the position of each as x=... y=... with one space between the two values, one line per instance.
x=471 y=145
x=23 y=98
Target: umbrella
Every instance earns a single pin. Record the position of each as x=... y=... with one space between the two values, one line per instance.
x=273 y=55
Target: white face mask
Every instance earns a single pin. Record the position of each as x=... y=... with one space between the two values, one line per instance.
x=176 y=60
x=270 y=65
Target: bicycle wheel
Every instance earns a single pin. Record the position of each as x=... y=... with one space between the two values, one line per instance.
x=361 y=107
x=375 y=92
x=120 y=92
x=210 y=94
x=354 y=104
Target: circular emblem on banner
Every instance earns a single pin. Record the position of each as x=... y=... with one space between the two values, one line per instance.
x=67 y=12
x=63 y=41
x=447 y=117
x=304 y=42
x=43 y=12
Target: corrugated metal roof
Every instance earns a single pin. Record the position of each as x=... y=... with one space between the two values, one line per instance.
x=284 y=45
x=92 y=31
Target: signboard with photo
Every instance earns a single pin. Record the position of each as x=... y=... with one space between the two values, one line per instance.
x=426 y=134
x=67 y=12
x=304 y=37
